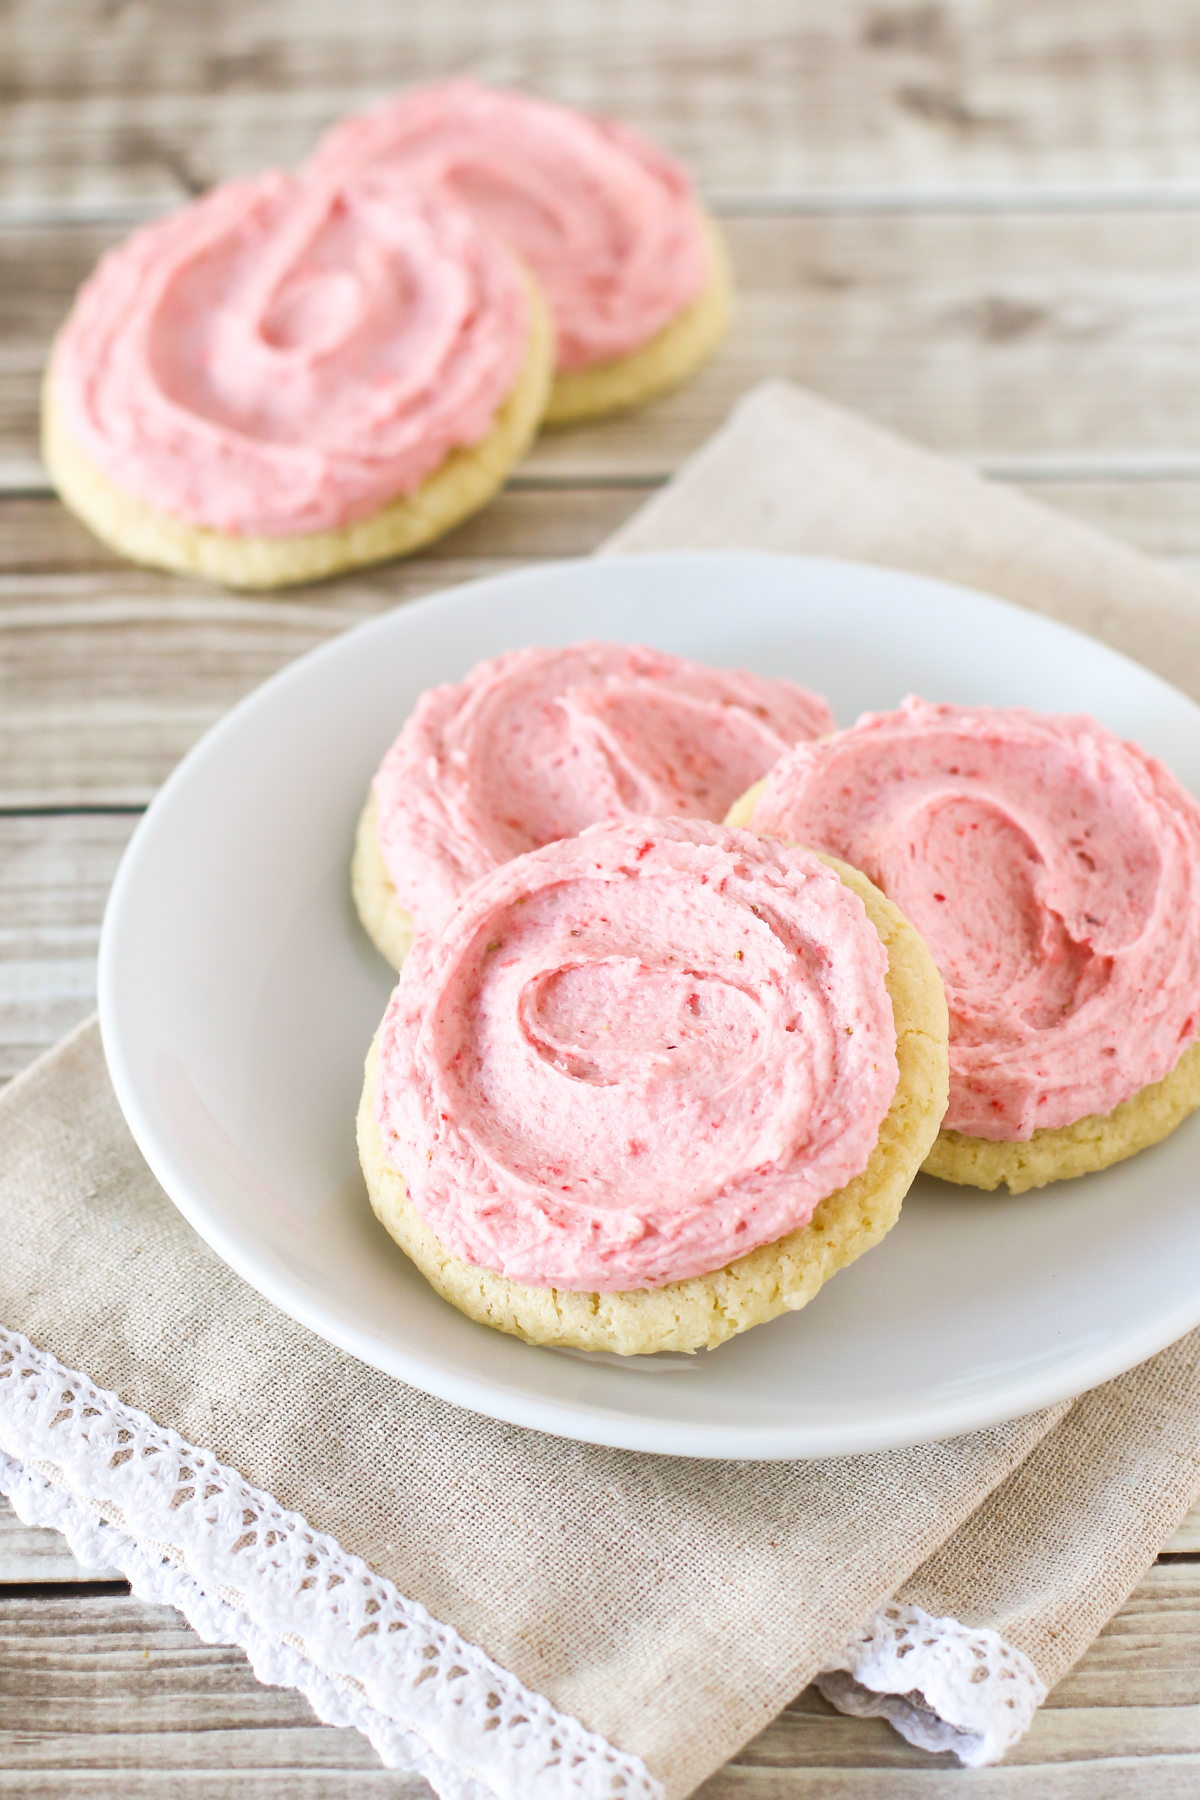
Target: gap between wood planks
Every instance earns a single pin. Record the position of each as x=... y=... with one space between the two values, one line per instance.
x=805 y=203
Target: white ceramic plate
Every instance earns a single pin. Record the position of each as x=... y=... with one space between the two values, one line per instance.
x=238 y=995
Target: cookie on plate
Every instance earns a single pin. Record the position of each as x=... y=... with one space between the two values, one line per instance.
x=293 y=377
x=538 y=743
x=652 y=1086
x=1054 y=871
x=634 y=271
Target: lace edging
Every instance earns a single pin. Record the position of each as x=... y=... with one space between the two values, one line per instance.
x=941 y=1685
x=185 y=1529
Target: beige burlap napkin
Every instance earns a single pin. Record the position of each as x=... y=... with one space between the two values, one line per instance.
x=520 y=1617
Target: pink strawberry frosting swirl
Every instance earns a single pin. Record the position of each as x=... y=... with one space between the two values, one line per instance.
x=536 y=744
x=637 y=1054
x=1054 y=872
x=286 y=356
x=608 y=224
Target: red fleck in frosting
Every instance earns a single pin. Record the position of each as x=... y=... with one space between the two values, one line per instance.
x=290 y=355
x=537 y=744
x=1054 y=872
x=635 y=1055
x=608 y=224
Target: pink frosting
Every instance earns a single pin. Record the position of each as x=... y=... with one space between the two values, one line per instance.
x=608 y=224
x=637 y=1054
x=1054 y=872
x=536 y=744
x=285 y=355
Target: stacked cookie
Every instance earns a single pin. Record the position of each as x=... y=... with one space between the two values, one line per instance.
x=658 y=1065
x=303 y=373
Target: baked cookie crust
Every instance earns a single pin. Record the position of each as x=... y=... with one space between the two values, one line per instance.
x=384 y=920
x=463 y=483
x=779 y=1277
x=1090 y=1144
x=669 y=357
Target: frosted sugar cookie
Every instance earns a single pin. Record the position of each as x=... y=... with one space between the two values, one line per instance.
x=634 y=272
x=537 y=744
x=1054 y=871
x=292 y=377
x=652 y=1086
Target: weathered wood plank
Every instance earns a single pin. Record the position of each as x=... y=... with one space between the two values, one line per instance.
x=136 y=669
x=799 y=1740
x=39 y=536
x=95 y=1683
x=55 y=874
x=105 y=1683
x=1112 y=1777
x=113 y=105
x=30 y=1554
x=986 y=337
x=153 y=1783
x=1157 y=514
x=246 y=1748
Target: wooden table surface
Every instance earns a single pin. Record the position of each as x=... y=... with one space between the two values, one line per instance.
x=976 y=220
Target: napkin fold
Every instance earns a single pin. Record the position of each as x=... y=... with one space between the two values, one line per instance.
x=511 y=1615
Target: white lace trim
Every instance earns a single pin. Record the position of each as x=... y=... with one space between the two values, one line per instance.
x=940 y=1684
x=184 y=1529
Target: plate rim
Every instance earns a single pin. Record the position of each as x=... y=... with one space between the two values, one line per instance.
x=580 y=1420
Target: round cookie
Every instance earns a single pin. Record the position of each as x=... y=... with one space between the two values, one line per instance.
x=671 y=356
x=1165 y=852
x=294 y=376
x=704 y=1311
x=465 y=481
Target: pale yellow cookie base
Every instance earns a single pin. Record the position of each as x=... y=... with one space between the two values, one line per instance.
x=464 y=482
x=1091 y=1144
x=673 y=354
x=780 y=1277
x=384 y=920
x=1081 y=1149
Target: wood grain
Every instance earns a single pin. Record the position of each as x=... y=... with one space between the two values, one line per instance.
x=107 y=105
x=1159 y=514
x=55 y=873
x=104 y=1695
x=115 y=1688
x=40 y=536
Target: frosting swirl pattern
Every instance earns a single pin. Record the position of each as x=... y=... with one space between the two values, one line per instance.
x=607 y=222
x=1054 y=872
x=537 y=744
x=290 y=355
x=637 y=1054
